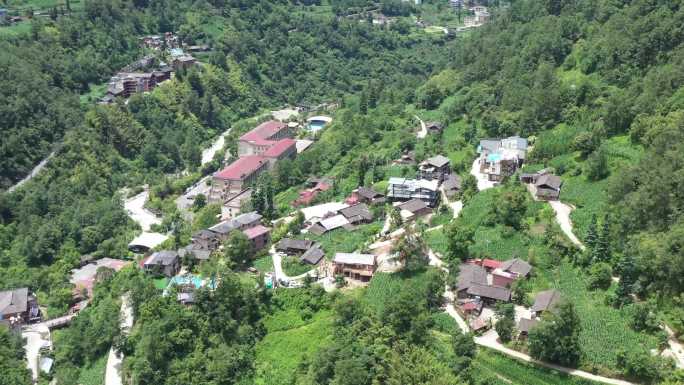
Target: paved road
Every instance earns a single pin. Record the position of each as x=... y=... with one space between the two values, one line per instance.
x=563 y=218
x=208 y=153
x=36 y=170
x=36 y=337
x=135 y=207
x=278 y=267
x=115 y=359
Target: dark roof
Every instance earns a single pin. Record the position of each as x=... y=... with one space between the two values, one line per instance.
x=204 y=234
x=438 y=161
x=414 y=205
x=163 y=258
x=248 y=218
x=517 y=266
x=487 y=291
x=297 y=244
x=434 y=126
x=13 y=301
x=546 y=300
x=526 y=324
x=547 y=193
x=317 y=229
x=549 y=180
x=197 y=253
x=313 y=255
x=368 y=193
x=452 y=182
x=358 y=210
x=470 y=274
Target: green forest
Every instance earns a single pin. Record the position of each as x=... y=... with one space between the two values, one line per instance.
x=597 y=87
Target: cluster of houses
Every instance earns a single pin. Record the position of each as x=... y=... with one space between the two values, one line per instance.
x=309 y=252
x=417 y=197
x=145 y=74
x=483 y=282
x=314 y=186
x=258 y=151
x=543 y=184
x=204 y=242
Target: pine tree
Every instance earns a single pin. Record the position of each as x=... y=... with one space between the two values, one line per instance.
x=602 y=250
x=363 y=103
x=590 y=239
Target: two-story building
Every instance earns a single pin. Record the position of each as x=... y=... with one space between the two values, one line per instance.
x=18 y=307
x=500 y=158
x=436 y=167
x=402 y=190
x=263 y=137
x=360 y=267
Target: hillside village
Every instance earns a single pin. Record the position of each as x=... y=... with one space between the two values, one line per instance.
x=341 y=239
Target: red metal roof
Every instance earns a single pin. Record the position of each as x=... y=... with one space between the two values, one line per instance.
x=279 y=148
x=256 y=231
x=491 y=263
x=241 y=168
x=264 y=131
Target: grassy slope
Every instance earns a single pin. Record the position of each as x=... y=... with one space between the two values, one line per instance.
x=94 y=373
x=288 y=341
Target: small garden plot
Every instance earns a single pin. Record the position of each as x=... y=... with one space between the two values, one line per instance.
x=263 y=264
x=437 y=241
x=589 y=198
x=343 y=241
x=293 y=268
x=500 y=243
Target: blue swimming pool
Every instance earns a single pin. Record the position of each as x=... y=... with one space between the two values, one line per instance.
x=316 y=125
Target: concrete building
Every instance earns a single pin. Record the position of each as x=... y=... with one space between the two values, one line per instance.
x=236 y=178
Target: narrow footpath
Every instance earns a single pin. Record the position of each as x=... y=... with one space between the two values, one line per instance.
x=115 y=359
x=563 y=218
x=36 y=170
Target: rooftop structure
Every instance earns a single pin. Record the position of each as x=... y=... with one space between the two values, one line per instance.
x=401 y=189
x=545 y=301
x=313 y=255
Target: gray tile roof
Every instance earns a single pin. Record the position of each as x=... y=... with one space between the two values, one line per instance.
x=313 y=255
x=163 y=258
x=368 y=193
x=549 y=180
x=13 y=301
x=517 y=266
x=438 y=161
x=414 y=205
x=358 y=210
x=470 y=274
x=546 y=300
x=494 y=292
x=526 y=324
x=297 y=244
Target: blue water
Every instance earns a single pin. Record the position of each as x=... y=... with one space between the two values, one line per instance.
x=316 y=125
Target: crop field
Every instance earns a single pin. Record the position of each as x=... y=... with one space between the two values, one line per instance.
x=264 y=263
x=287 y=342
x=495 y=243
x=589 y=198
x=437 y=241
x=384 y=286
x=605 y=330
x=512 y=372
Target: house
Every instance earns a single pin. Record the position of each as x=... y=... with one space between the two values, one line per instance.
x=468 y=275
x=488 y=264
x=206 y=240
x=525 y=325
x=165 y=262
x=233 y=206
x=451 y=185
x=293 y=246
x=489 y=293
x=358 y=213
x=307 y=196
x=329 y=224
x=146 y=242
x=241 y=223
x=436 y=167
x=186 y=299
x=500 y=158
x=434 y=127
x=356 y=266
x=282 y=149
x=517 y=266
x=258 y=236
x=407 y=158
x=18 y=307
x=183 y=62
x=401 y=189
x=313 y=255
x=532 y=177
x=365 y=195
x=192 y=251
x=509 y=271
x=263 y=137
x=413 y=209
x=547 y=187
x=471 y=308
x=236 y=178
x=545 y=301
x=85 y=277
